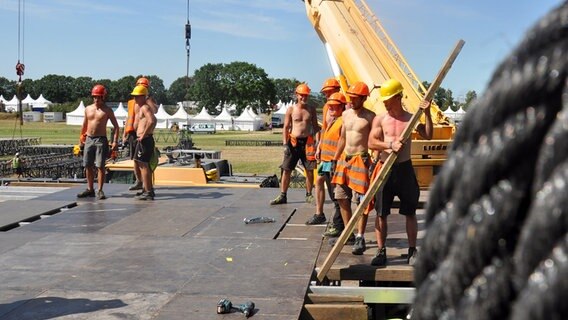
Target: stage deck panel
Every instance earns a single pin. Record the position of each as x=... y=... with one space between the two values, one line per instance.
x=173 y=257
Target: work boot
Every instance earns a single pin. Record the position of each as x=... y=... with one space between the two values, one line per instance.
x=86 y=193
x=380 y=260
x=350 y=241
x=359 y=247
x=281 y=199
x=309 y=198
x=101 y=195
x=136 y=186
x=147 y=196
x=411 y=259
x=333 y=232
x=316 y=219
x=141 y=192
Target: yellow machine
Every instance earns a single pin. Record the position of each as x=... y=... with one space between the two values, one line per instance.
x=359 y=49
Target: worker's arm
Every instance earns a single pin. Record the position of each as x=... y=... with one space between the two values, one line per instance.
x=287 y=126
x=116 y=129
x=426 y=130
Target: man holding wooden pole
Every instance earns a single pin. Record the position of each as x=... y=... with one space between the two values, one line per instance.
x=401 y=182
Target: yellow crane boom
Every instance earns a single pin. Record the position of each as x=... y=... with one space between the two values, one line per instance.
x=358 y=44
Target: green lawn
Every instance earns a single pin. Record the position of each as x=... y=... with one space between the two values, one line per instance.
x=256 y=160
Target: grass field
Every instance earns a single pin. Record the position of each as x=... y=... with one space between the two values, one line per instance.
x=256 y=160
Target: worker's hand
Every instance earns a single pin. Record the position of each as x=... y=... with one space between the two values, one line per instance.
x=318 y=155
x=424 y=105
x=395 y=146
x=114 y=145
x=333 y=166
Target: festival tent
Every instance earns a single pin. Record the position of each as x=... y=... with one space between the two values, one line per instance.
x=28 y=102
x=12 y=105
x=121 y=114
x=224 y=121
x=41 y=103
x=457 y=115
x=162 y=118
x=203 y=117
x=278 y=116
x=246 y=121
x=181 y=117
x=75 y=117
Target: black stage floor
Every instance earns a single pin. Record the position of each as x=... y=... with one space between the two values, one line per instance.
x=172 y=258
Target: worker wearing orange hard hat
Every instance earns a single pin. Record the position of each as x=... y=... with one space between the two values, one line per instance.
x=300 y=124
x=353 y=160
x=385 y=138
x=96 y=143
x=327 y=147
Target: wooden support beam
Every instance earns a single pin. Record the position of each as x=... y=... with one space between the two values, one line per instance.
x=383 y=174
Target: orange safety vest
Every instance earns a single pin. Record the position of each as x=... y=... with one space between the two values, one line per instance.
x=330 y=139
x=310 y=149
x=129 y=126
x=353 y=173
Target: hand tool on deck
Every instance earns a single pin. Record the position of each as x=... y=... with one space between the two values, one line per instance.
x=381 y=177
x=259 y=220
x=226 y=306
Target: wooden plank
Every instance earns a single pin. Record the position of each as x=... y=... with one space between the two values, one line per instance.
x=335 y=311
x=383 y=174
x=314 y=298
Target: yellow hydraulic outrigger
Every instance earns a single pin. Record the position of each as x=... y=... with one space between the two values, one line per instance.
x=359 y=49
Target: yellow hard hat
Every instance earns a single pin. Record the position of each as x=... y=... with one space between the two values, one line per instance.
x=140 y=90
x=390 y=88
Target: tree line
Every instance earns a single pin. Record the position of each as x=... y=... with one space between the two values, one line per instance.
x=240 y=83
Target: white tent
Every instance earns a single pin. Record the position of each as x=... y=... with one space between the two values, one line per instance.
x=120 y=113
x=224 y=121
x=181 y=117
x=41 y=103
x=247 y=121
x=75 y=117
x=2 y=100
x=29 y=101
x=163 y=118
x=457 y=116
x=12 y=105
x=203 y=117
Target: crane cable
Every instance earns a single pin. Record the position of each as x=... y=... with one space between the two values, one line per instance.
x=187 y=46
x=20 y=67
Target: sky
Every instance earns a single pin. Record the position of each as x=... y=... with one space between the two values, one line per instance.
x=109 y=39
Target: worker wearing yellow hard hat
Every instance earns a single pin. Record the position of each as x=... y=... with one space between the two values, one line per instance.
x=401 y=182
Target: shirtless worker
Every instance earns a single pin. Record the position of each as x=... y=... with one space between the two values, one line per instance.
x=145 y=125
x=385 y=137
x=324 y=154
x=129 y=134
x=94 y=132
x=353 y=160
x=300 y=123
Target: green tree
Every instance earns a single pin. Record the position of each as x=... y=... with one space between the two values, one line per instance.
x=179 y=90
x=82 y=87
x=207 y=88
x=470 y=98
x=122 y=88
x=157 y=89
x=245 y=85
x=7 y=88
x=54 y=87
x=285 y=89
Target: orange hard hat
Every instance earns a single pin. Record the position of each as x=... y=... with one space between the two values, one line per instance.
x=330 y=84
x=337 y=98
x=99 y=91
x=143 y=82
x=303 y=89
x=358 y=89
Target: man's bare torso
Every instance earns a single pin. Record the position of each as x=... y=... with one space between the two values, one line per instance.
x=142 y=122
x=392 y=130
x=301 y=121
x=357 y=128
x=97 y=118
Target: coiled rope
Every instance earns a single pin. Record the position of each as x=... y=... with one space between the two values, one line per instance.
x=496 y=245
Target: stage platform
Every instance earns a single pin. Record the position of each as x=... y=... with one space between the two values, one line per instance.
x=171 y=258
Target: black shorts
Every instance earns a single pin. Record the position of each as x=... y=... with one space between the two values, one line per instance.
x=132 y=142
x=293 y=154
x=145 y=149
x=403 y=184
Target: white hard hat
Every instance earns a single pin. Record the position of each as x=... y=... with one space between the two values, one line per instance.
x=17 y=154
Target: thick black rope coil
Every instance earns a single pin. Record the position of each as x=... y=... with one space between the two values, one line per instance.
x=496 y=245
